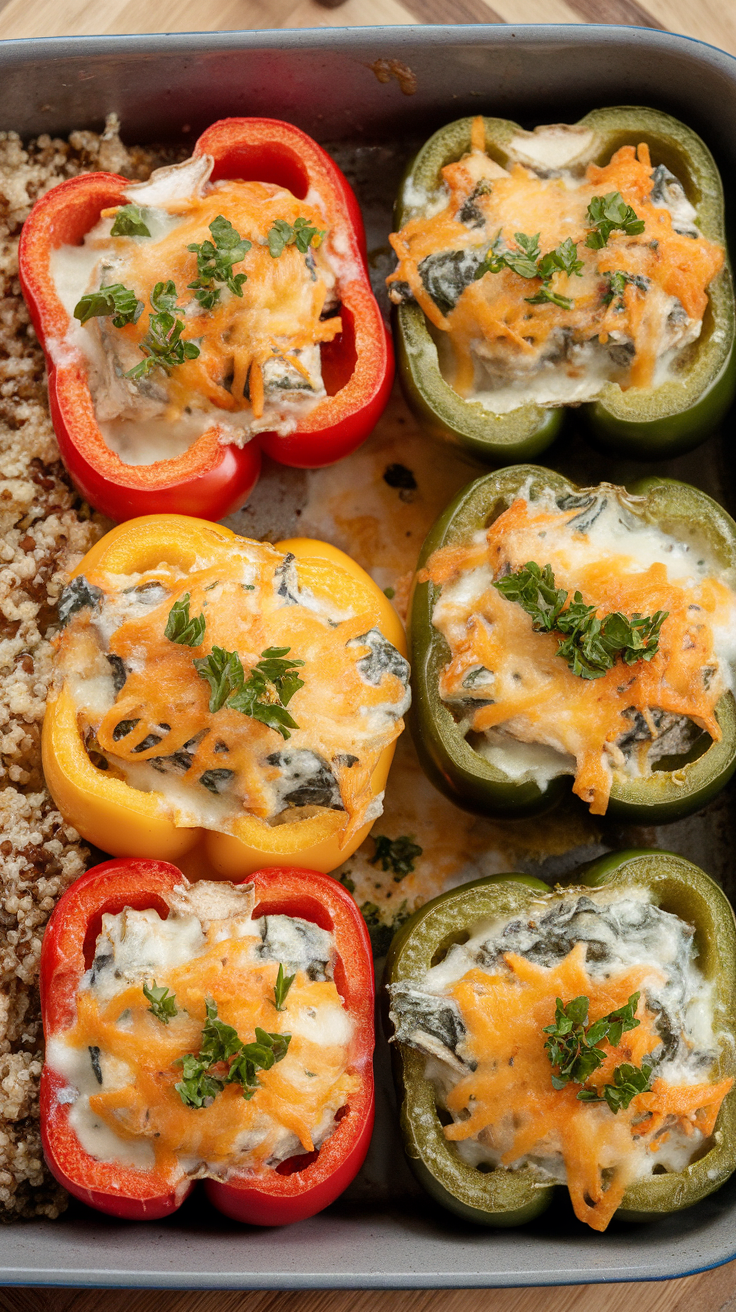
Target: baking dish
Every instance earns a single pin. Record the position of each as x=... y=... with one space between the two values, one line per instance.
x=383 y=1234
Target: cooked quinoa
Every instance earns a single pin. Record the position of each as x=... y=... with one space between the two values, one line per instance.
x=44 y=531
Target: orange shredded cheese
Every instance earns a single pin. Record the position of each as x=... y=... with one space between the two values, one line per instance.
x=505 y=1012
x=146 y=1105
x=536 y=697
x=495 y=310
x=277 y=316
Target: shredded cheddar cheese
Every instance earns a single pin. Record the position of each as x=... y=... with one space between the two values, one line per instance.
x=137 y=1061
x=505 y=1012
x=144 y=707
x=528 y=692
x=634 y=302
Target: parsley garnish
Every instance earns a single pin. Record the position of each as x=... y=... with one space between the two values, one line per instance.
x=115 y=300
x=617 y=281
x=215 y=262
x=605 y=213
x=163 y=1004
x=263 y=695
x=281 y=988
x=268 y=689
x=628 y=1080
x=183 y=629
x=300 y=234
x=129 y=223
x=162 y=344
x=396 y=854
x=591 y=646
x=224 y=673
x=572 y=1047
x=528 y=262
x=545 y=295
x=221 y=1043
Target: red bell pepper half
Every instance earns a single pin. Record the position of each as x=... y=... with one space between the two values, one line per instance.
x=212 y=479
x=296 y=1188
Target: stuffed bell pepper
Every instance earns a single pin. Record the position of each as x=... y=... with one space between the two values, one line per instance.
x=571 y=265
x=189 y=321
x=557 y=631
x=223 y=703
x=214 y=1031
x=580 y=1036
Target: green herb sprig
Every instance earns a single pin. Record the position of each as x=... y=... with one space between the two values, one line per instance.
x=181 y=628
x=628 y=1080
x=215 y=260
x=607 y=213
x=301 y=233
x=529 y=262
x=129 y=222
x=617 y=281
x=572 y=1043
x=221 y=1043
x=116 y=300
x=396 y=854
x=281 y=988
x=162 y=345
x=264 y=695
x=163 y=1003
x=591 y=646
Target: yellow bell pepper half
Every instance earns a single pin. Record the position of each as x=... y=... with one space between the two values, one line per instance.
x=125 y=821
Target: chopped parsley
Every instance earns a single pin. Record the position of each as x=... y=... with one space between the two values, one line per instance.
x=590 y=646
x=617 y=281
x=263 y=695
x=396 y=854
x=183 y=629
x=215 y=260
x=529 y=262
x=163 y=1003
x=607 y=213
x=301 y=233
x=162 y=345
x=129 y=223
x=628 y=1080
x=572 y=1045
x=116 y=300
x=281 y=988
x=221 y=1044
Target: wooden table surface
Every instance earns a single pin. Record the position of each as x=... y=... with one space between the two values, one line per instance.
x=713 y=21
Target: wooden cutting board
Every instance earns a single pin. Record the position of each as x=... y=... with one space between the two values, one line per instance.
x=713 y=21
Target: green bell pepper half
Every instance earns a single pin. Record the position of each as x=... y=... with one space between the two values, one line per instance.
x=474 y=783
x=508 y=1198
x=656 y=423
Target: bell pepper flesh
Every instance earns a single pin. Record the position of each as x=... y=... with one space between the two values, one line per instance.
x=474 y=783
x=647 y=424
x=266 y=1198
x=128 y=822
x=211 y=479
x=509 y=1198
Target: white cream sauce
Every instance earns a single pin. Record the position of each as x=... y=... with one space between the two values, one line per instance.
x=136 y=947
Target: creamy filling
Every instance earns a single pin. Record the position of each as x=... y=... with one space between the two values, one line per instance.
x=145 y=420
x=135 y=948
x=610 y=527
x=588 y=350
x=210 y=768
x=621 y=930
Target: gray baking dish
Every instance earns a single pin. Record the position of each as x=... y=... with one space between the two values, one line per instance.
x=384 y=1233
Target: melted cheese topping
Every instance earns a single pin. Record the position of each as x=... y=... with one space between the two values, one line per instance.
x=259 y=364
x=120 y=1060
x=506 y=680
x=501 y=350
x=480 y=1016
x=143 y=710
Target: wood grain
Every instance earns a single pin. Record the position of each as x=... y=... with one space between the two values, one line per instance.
x=713 y=21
